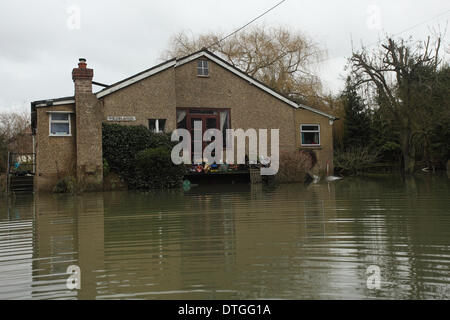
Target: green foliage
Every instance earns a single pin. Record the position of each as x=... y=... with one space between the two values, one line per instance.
x=122 y=143
x=121 y=146
x=106 y=168
x=156 y=170
x=432 y=134
x=65 y=185
x=410 y=86
x=357 y=129
x=354 y=160
x=384 y=136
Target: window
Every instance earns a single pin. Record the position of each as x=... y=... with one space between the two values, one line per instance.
x=310 y=134
x=202 y=68
x=156 y=125
x=210 y=118
x=60 y=124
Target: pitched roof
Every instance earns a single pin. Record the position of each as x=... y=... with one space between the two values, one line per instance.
x=179 y=62
x=137 y=77
x=53 y=102
x=257 y=83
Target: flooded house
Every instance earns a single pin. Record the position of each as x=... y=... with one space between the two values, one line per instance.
x=200 y=87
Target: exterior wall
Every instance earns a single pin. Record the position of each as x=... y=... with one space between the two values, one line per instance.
x=150 y=98
x=324 y=152
x=55 y=156
x=157 y=97
x=250 y=106
x=89 y=157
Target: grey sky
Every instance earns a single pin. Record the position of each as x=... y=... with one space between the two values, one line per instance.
x=119 y=38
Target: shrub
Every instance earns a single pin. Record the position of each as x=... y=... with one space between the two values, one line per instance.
x=65 y=185
x=293 y=166
x=354 y=160
x=155 y=169
x=123 y=144
x=105 y=168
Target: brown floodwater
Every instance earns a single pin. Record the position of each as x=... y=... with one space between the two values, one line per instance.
x=232 y=242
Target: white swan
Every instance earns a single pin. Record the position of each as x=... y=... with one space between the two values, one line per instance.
x=331 y=178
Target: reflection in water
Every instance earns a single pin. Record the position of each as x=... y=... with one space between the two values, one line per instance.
x=232 y=242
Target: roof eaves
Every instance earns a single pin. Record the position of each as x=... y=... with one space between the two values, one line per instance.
x=53 y=102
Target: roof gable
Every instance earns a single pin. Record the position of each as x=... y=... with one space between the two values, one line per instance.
x=249 y=79
x=174 y=63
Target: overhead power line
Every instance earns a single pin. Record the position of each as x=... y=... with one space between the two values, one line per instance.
x=400 y=32
x=423 y=22
x=247 y=24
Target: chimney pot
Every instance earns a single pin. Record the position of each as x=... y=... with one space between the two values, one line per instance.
x=82 y=63
x=82 y=72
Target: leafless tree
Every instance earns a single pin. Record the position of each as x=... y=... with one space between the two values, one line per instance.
x=13 y=123
x=399 y=73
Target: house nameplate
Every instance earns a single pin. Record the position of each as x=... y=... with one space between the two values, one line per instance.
x=121 y=118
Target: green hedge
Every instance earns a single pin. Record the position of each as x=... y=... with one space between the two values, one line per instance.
x=156 y=170
x=121 y=146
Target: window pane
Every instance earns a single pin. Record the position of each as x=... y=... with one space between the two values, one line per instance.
x=60 y=116
x=202 y=72
x=60 y=128
x=152 y=125
x=162 y=124
x=202 y=67
x=181 y=119
x=211 y=123
x=310 y=138
x=310 y=128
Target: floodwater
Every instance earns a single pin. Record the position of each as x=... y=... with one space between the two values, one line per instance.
x=233 y=242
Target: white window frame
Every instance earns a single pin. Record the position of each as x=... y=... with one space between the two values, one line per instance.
x=157 y=125
x=309 y=131
x=201 y=70
x=59 y=121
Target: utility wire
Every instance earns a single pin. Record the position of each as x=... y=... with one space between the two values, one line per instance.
x=412 y=27
x=398 y=33
x=244 y=26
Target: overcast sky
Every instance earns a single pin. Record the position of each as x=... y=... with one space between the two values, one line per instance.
x=41 y=41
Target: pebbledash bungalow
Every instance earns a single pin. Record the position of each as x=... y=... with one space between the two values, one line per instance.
x=202 y=87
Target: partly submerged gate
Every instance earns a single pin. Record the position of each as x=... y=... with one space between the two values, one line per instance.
x=20 y=172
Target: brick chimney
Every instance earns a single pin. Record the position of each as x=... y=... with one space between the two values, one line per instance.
x=82 y=77
x=89 y=119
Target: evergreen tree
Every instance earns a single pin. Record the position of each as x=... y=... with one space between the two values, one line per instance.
x=357 y=120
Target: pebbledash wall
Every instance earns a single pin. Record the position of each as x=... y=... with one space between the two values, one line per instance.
x=156 y=94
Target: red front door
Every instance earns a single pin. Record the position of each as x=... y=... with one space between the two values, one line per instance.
x=207 y=122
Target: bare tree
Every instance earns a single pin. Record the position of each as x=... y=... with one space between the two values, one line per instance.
x=13 y=123
x=399 y=72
